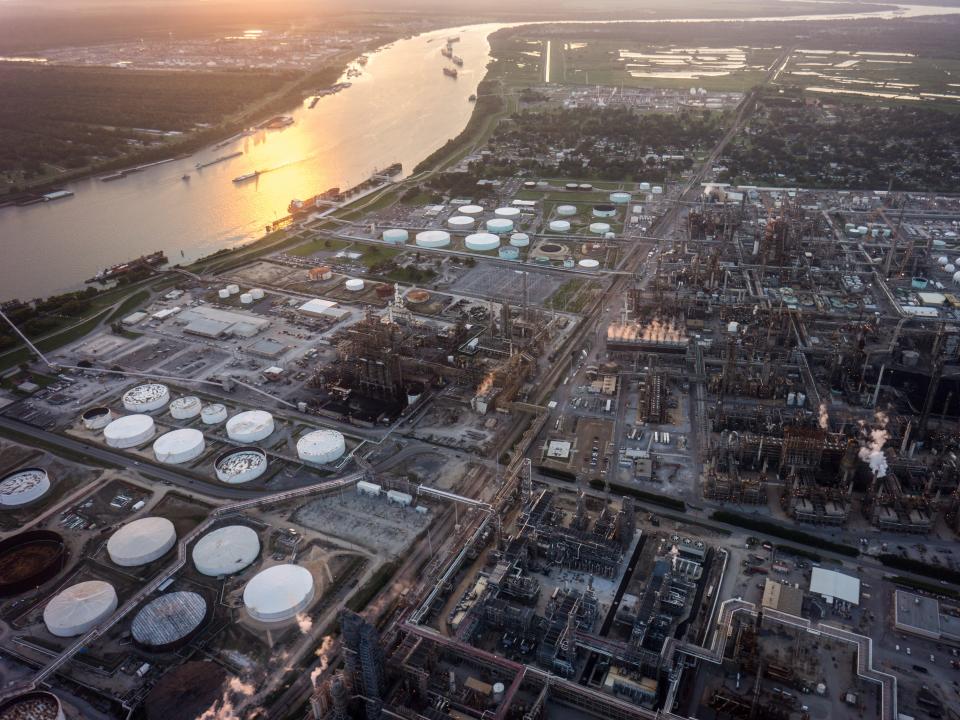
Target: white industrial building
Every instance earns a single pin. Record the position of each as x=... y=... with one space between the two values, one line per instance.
x=212 y=322
x=321 y=446
x=179 y=446
x=79 y=608
x=226 y=551
x=279 y=593
x=368 y=488
x=318 y=307
x=129 y=431
x=141 y=541
x=833 y=586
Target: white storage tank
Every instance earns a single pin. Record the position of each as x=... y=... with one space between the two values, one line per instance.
x=396 y=236
x=184 y=408
x=645 y=187
x=179 y=446
x=507 y=212
x=499 y=226
x=250 y=426
x=657 y=190
x=482 y=242
x=233 y=289
x=949 y=267
x=79 y=608
x=368 y=488
x=246 y=299
x=520 y=240
x=460 y=222
x=141 y=541
x=213 y=414
x=620 y=198
x=942 y=260
x=129 y=431
x=226 y=551
x=223 y=293
x=354 y=284
x=559 y=226
x=321 y=446
x=240 y=465
x=589 y=264
x=146 y=397
x=96 y=418
x=599 y=228
x=470 y=210
x=23 y=486
x=433 y=239
x=257 y=293
x=566 y=210
x=278 y=593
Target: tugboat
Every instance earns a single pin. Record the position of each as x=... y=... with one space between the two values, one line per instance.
x=450 y=72
x=457 y=60
x=186 y=178
x=472 y=98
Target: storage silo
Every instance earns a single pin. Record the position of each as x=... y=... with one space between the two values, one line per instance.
x=79 y=608
x=250 y=426
x=279 y=593
x=179 y=446
x=226 y=551
x=141 y=541
x=321 y=446
x=146 y=398
x=223 y=294
x=185 y=408
x=645 y=187
x=129 y=431
x=233 y=289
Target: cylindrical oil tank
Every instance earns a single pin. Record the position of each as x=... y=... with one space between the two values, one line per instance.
x=223 y=293
x=572 y=186
x=585 y=187
x=507 y=212
x=246 y=299
x=396 y=236
x=657 y=190
x=604 y=210
x=384 y=291
x=184 y=408
x=589 y=264
x=257 y=293
x=321 y=446
x=179 y=446
x=433 y=239
x=354 y=284
x=559 y=226
x=240 y=465
x=233 y=289
x=29 y=559
x=645 y=187
x=141 y=541
x=482 y=242
x=619 y=198
x=79 y=608
x=461 y=222
x=417 y=296
x=213 y=414
x=146 y=397
x=520 y=240
x=599 y=228
x=509 y=253
x=129 y=431
x=96 y=418
x=499 y=226
x=470 y=210
x=250 y=426
x=169 y=621
x=33 y=705
x=566 y=210
x=226 y=550
x=279 y=593
x=23 y=486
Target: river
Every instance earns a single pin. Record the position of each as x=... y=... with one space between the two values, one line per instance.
x=400 y=109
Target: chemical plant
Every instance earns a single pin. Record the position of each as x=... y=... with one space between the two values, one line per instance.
x=526 y=448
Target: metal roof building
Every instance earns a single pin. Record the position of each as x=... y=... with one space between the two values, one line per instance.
x=831 y=585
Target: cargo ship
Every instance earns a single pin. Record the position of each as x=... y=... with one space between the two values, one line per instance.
x=248 y=176
x=277 y=122
x=447 y=52
x=450 y=72
x=304 y=207
x=222 y=158
x=457 y=60
x=152 y=260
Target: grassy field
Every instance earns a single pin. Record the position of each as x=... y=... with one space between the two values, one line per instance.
x=319 y=244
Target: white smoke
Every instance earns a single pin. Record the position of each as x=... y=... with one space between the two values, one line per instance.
x=824 y=417
x=304 y=623
x=322 y=652
x=224 y=708
x=872 y=453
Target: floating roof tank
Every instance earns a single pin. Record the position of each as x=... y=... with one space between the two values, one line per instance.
x=560 y=226
x=240 y=465
x=589 y=264
x=433 y=238
x=396 y=236
x=250 y=426
x=461 y=222
x=184 y=408
x=169 y=621
x=79 y=608
x=566 y=210
x=500 y=226
x=146 y=397
x=279 y=593
x=213 y=414
x=599 y=228
x=481 y=242
x=507 y=212
x=321 y=446
x=226 y=551
x=470 y=210
x=509 y=253
x=29 y=559
x=97 y=418
x=604 y=210
x=141 y=541
x=179 y=446
x=619 y=198
x=129 y=431
x=33 y=705
x=23 y=486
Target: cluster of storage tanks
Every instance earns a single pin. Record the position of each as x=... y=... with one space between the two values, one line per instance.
x=247 y=298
